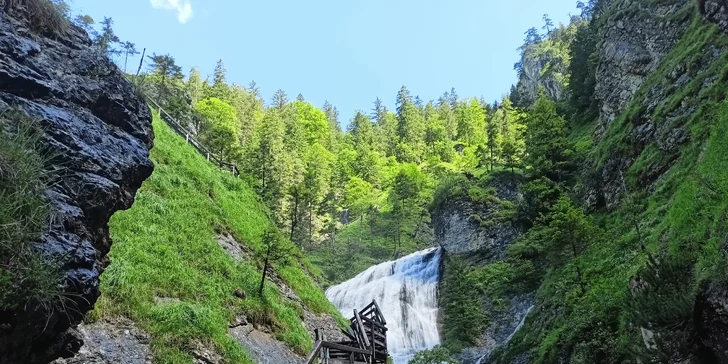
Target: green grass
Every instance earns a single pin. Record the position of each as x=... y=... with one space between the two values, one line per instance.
x=25 y=278
x=165 y=247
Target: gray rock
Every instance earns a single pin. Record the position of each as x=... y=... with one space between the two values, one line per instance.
x=458 y=233
x=634 y=43
x=116 y=341
x=99 y=132
x=263 y=348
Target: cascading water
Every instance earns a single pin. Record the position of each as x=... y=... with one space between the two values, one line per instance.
x=406 y=292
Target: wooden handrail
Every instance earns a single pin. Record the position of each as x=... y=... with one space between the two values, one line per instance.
x=314 y=353
x=176 y=126
x=363 y=332
x=366 y=339
x=379 y=312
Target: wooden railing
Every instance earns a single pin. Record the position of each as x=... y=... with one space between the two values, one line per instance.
x=191 y=140
x=367 y=334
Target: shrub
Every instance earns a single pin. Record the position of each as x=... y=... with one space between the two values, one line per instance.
x=46 y=17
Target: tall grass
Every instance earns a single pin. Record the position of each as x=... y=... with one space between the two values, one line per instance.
x=25 y=278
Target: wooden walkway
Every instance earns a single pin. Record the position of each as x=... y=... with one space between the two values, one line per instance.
x=366 y=341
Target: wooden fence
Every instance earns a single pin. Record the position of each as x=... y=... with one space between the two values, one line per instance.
x=191 y=140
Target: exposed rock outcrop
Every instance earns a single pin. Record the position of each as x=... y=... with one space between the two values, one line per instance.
x=637 y=37
x=532 y=76
x=462 y=228
x=98 y=132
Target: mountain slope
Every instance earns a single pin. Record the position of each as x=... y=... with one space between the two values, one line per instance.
x=170 y=274
x=655 y=180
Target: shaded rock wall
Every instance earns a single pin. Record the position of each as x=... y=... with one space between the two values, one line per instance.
x=637 y=36
x=98 y=132
x=458 y=233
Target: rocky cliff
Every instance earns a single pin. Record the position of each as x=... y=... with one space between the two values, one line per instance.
x=98 y=131
x=478 y=230
x=635 y=39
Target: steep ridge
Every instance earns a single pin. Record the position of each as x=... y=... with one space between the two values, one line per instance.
x=651 y=173
x=96 y=133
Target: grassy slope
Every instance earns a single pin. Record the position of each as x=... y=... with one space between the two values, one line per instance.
x=165 y=246
x=684 y=218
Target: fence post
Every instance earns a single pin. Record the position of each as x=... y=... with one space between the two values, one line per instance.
x=208 y=156
x=187 y=138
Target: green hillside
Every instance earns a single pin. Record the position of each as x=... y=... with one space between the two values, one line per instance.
x=165 y=250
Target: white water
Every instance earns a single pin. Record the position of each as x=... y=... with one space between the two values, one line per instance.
x=518 y=327
x=406 y=292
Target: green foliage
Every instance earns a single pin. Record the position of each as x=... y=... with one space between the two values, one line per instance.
x=546 y=143
x=26 y=279
x=436 y=355
x=185 y=207
x=466 y=318
x=220 y=129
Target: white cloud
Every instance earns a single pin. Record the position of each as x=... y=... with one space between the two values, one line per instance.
x=182 y=7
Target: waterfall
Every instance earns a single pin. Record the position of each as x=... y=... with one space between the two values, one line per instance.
x=518 y=327
x=406 y=292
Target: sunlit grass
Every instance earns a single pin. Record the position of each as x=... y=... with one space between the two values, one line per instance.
x=166 y=247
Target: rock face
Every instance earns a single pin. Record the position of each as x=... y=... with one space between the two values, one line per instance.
x=112 y=342
x=637 y=37
x=711 y=322
x=461 y=228
x=532 y=77
x=98 y=132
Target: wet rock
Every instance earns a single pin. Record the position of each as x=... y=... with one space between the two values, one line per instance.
x=98 y=132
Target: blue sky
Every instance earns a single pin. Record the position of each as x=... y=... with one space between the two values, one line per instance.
x=344 y=51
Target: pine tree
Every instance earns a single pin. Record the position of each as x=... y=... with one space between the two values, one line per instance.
x=410 y=127
x=546 y=141
x=86 y=23
x=471 y=123
x=195 y=86
x=569 y=232
x=129 y=50
x=332 y=115
x=270 y=162
x=106 y=40
x=280 y=100
x=167 y=71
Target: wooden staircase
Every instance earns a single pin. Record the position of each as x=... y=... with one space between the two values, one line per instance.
x=366 y=341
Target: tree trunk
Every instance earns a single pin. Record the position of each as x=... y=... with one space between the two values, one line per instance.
x=294 y=214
